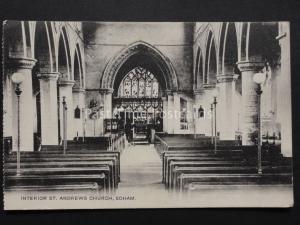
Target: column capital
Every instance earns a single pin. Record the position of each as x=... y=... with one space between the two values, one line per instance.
x=209 y=86
x=49 y=76
x=66 y=83
x=78 y=90
x=106 y=91
x=222 y=78
x=250 y=66
x=21 y=63
x=109 y=91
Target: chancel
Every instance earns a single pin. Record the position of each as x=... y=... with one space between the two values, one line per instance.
x=129 y=107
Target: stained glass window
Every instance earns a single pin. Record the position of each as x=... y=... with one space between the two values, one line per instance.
x=139 y=83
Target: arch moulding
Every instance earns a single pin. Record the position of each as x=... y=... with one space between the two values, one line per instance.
x=111 y=70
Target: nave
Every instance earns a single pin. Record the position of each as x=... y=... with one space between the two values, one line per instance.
x=207 y=95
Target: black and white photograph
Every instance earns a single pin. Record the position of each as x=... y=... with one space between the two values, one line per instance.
x=111 y=115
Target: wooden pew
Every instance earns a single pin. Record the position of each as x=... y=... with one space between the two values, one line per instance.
x=179 y=170
x=207 y=164
x=185 y=180
x=168 y=159
x=49 y=182
x=187 y=162
x=207 y=154
x=53 y=164
x=79 y=187
x=230 y=163
x=67 y=167
x=190 y=156
x=58 y=157
x=200 y=163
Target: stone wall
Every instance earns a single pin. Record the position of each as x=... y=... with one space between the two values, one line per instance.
x=105 y=40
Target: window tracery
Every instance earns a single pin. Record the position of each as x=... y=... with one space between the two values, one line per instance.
x=139 y=83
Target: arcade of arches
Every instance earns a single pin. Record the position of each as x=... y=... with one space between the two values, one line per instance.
x=146 y=73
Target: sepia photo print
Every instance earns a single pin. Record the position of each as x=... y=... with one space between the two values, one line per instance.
x=146 y=114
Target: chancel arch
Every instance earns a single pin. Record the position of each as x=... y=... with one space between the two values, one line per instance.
x=139 y=77
x=146 y=52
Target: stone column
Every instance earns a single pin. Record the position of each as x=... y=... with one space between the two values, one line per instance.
x=78 y=101
x=7 y=106
x=226 y=84
x=284 y=107
x=170 y=114
x=24 y=66
x=208 y=99
x=249 y=116
x=108 y=104
x=49 y=117
x=199 y=122
x=106 y=96
x=65 y=89
x=176 y=109
x=165 y=114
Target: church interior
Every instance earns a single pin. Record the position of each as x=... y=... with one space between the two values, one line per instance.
x=173 y=106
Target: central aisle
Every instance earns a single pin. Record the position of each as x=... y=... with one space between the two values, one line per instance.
x=141 y=169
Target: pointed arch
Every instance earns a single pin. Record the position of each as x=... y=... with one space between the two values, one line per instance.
x=27 y=40
x=200 y=71
x=262 y=42
x=64 y=58
x=198 y=80
x=196 y=67
x=244 y=41
x=43 y=48
x=14 y=39
x=79 y=54
x=210 y=60
x=168 y=79
x=222 y=44
x=77 y=70
x=228 y=50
